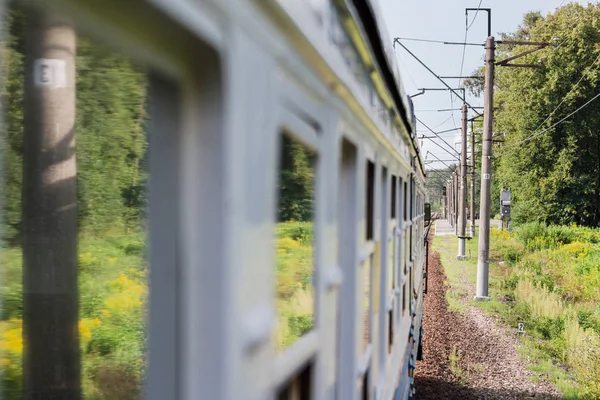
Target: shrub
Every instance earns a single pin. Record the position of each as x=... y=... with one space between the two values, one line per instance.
x=542 y=302
x=295 y=295
x=583 y=354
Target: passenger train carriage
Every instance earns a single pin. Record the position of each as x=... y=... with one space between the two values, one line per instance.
x=228 y=79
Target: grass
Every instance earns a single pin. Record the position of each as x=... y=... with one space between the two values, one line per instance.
x=113 y=292
x=460 y=274
x=455 y=366
x=295 y=295
x=549 y=279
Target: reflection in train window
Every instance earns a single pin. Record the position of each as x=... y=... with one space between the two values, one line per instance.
x=366 y=301
x=390 y=264
x=403 y=298
x=74 y=208
x=294 y=241
x=370 y=190
x=394 y=197
x=405 y=201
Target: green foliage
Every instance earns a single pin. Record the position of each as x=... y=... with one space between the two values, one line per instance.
x=554 y=290
x=294 y=290
x=296 y=181
x=113 y=290
x=111 y=149
x=553 y=177
x=111 y=99
x=110 y=136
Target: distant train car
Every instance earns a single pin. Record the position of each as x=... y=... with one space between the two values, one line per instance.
x=240 y=90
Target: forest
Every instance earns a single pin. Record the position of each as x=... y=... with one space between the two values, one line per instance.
x=550 y=156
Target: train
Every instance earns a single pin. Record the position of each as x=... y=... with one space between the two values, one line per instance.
x=228 y=79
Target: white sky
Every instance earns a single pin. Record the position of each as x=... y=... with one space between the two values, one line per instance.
x=445 y=20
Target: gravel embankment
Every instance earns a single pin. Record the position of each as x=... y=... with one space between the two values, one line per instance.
x=488 y=368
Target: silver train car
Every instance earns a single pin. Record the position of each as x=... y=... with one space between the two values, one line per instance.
x=227 y=79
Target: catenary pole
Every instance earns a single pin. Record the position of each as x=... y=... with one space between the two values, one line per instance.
x=51 y=359
x=486 y=175
x=472 y=207
x=462 y=194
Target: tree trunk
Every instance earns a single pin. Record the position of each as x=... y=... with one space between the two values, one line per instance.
x=51 y=364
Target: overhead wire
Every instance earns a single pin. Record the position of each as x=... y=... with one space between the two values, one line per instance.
x=464 y=52
x=533 y=136
x=554 y=48
x=476 y=13
x=407 y=72
x=537 y=132
x=446 y=120
x=467 y=26
x=565 y=97
x=436 y=134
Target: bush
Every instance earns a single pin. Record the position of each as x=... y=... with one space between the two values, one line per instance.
x=295 y=295
x=583 y=354
x=556 y=288
x=528 y=232
x=551 y=328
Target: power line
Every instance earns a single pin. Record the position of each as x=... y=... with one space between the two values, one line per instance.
x=405 y=68
x=441 y=42
x=555 y=48
x=397 y=40
x=464 y=52
x=446 y=120
x=567 y=95
x=475 y=17
x=554 y=125
x=442 y=139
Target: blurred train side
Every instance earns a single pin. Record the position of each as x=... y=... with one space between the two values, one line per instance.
x=226 y=78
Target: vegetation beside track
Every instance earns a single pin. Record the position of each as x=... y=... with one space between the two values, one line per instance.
x=295 y=296
x=113 y=293
x=548 y=278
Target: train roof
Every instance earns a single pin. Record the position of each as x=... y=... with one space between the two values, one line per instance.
x=375 y=30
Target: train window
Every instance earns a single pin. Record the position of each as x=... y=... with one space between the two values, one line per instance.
x=403 y=299
x=299 y=387
x=294 y=241
x=390 y=263
x=390 y=322
x=74 y=196
x=394 y=206
x=365 y=386
x=366 y=301
x=405 y=201
x=370 y=203
x=410 y=289
x=412 y=217
x=348 y=260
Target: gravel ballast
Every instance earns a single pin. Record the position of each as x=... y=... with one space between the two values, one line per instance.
x=486 y=363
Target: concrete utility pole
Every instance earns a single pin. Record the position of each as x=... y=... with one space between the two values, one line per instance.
x=472 y=181
x=456 y=200
x=451 y=208
x=486 y=174
x=462 y=220
x=51 y=360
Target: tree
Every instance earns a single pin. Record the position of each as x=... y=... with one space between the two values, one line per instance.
x=552 y=174
x=296 y=181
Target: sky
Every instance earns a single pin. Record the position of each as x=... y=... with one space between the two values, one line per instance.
x=445 y=20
